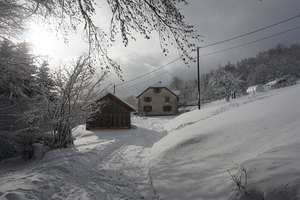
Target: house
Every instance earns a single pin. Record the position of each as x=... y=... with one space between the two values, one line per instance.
x=110 y=113
x=157 y=100
x=256 y=88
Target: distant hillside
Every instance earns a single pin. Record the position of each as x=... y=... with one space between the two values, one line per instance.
x=266 y=66
x=254 y=139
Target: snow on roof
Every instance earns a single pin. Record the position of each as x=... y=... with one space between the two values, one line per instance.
x=117 y=98
x=156 y=87
x=177 y=92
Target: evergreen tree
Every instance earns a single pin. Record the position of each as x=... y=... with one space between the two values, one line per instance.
x=17 y=91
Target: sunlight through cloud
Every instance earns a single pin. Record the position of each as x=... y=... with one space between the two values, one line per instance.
x=42 y=40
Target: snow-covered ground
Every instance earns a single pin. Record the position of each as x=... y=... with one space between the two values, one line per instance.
x=109 y=165
x=259 y=133
x=175 y=158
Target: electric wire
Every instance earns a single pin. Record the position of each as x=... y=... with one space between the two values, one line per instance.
x=163 y=66
x=220 y=42
x=244 y=44
x=228 y=49
x=147 y=80
x=251 y=32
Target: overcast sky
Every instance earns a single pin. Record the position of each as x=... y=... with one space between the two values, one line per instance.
x=215 y=20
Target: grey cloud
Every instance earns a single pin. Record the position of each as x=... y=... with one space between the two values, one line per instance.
x=215 y=20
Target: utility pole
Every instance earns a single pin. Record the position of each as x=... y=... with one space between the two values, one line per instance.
x=198 y=70
x=114 y=89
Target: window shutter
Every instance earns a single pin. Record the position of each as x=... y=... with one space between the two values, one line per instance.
x=147 y=99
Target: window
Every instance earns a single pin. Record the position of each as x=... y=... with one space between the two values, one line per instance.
x=147 y=99
x=147 y=108
x=167 y=108
x=156 y=90
x=167 y=99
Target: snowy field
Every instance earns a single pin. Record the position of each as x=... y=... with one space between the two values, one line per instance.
x=175 y=158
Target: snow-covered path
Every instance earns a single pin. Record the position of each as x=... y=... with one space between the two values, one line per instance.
x=102 y=165
x=126 y=169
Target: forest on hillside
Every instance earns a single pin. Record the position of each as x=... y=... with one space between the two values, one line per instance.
x=267 y=66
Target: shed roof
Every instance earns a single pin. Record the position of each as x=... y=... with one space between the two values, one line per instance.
x=124 y=104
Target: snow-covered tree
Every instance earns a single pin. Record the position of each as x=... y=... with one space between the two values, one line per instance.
x=277 y=62
x=127 y=19
x=207 y=92
x=176 y=83
x=17 y=92
x=17 y=70
x=224 y=82
x=76 y=89
x=189 y=93
x=32 y=102
x=44 y=79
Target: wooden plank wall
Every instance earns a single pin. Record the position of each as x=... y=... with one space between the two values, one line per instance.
x=112 y=115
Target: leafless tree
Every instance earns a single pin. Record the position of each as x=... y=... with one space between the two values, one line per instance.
x=176 y=83
x=77 y=89
x=224 y=82
x=127 y=18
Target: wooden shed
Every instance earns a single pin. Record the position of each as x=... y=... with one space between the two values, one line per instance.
x=111 y=113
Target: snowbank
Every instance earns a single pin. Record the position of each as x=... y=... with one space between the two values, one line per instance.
x=175 y=158
x=108 y=164
x=262 y=136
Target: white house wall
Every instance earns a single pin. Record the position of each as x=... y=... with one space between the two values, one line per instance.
x=157 y=103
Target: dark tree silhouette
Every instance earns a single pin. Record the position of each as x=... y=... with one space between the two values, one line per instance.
x=127 y=18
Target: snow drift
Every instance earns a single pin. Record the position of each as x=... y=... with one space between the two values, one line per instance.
x=259 y=133
x=254 y=140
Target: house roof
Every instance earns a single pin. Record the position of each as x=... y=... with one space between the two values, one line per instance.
x=177 y=92
x=126 y=105
x=158 y=87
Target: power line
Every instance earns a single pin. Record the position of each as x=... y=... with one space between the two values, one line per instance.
x=147 y=80
x=234 y=47
x=163 y=66
x=249 y=33
x=220 y=42
x=244 y=44
x=122 y=92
